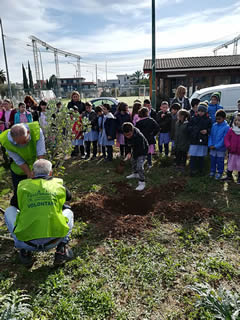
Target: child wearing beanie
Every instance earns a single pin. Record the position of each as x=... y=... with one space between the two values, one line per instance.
x=214 y=106
x=216 y=144
x=199 y=128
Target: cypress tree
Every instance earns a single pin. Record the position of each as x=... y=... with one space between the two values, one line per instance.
x=31 y=87
x=25 y=80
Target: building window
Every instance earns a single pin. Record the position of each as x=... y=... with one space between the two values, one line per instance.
x=222 y=80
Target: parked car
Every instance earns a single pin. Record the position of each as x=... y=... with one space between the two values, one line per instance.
x=229 y=94
x=100 y=101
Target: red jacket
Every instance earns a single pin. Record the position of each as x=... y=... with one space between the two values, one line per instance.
x=232 y=142
x=77 y=129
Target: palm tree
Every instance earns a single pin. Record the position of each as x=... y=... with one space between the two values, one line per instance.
x=2 y=77
x=138 y=75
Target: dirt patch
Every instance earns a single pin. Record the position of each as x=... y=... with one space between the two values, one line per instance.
x=130 y=212
x=183 y=211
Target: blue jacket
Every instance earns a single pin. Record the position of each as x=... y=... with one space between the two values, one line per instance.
x=17 y=117
x=212 y=109
x=218 y=132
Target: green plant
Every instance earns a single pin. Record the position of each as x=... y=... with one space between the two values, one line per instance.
x=222 y=303
x=229 y=229
x=95 y=302
x=221 y=266
x=193 y=236
x=58 y=135
x=15 y=305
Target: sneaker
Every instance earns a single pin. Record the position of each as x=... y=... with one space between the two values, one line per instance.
x=93 y=158
x=141 y=186
x=218 y=176
x=26 y=257
x=87 y=157
x=227 y=178
x=133 y=176
x=212 y=174
x=62 y=254
x=149 y=166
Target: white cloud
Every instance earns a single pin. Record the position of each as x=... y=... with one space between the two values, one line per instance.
x=114 y=41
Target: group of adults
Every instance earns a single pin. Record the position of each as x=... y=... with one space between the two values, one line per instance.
x=38 y=218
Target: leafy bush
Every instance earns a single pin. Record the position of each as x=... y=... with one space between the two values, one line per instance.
x=222 y=303
x=58 y=135
x=15 y=305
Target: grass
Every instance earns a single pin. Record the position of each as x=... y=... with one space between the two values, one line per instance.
x=158 y=274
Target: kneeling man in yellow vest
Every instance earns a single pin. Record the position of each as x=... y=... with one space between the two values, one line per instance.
x=24 y=144
x=41 y=223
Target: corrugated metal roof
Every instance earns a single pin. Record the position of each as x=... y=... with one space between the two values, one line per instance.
x=194 y=62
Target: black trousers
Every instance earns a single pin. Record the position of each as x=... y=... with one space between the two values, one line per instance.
x=196 y=164
x=88 y=147
x=109 y=152
x=166 y=148
x=181 y=158
x=15 y=180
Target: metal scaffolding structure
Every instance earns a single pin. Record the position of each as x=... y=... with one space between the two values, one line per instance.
x=56 y=52
x=226 y=44
x=35 y=58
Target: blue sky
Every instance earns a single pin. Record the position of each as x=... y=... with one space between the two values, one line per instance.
x=118 y=32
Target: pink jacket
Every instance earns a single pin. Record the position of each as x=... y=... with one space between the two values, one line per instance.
x=232 y=142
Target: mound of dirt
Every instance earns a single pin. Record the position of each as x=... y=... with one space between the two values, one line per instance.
x=130 y=212
x=183 y=211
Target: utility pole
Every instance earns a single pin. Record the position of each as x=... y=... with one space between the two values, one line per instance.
x=6 y=64
x=106 y=71
x=96 y=82
x=78 y=72
x=153 y=57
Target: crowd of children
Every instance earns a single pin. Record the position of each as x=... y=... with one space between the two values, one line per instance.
x=196 y=132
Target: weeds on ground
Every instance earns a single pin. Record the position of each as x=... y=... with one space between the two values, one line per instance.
x=135 y=278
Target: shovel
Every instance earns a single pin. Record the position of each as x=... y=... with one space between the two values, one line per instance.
x=121 y=166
